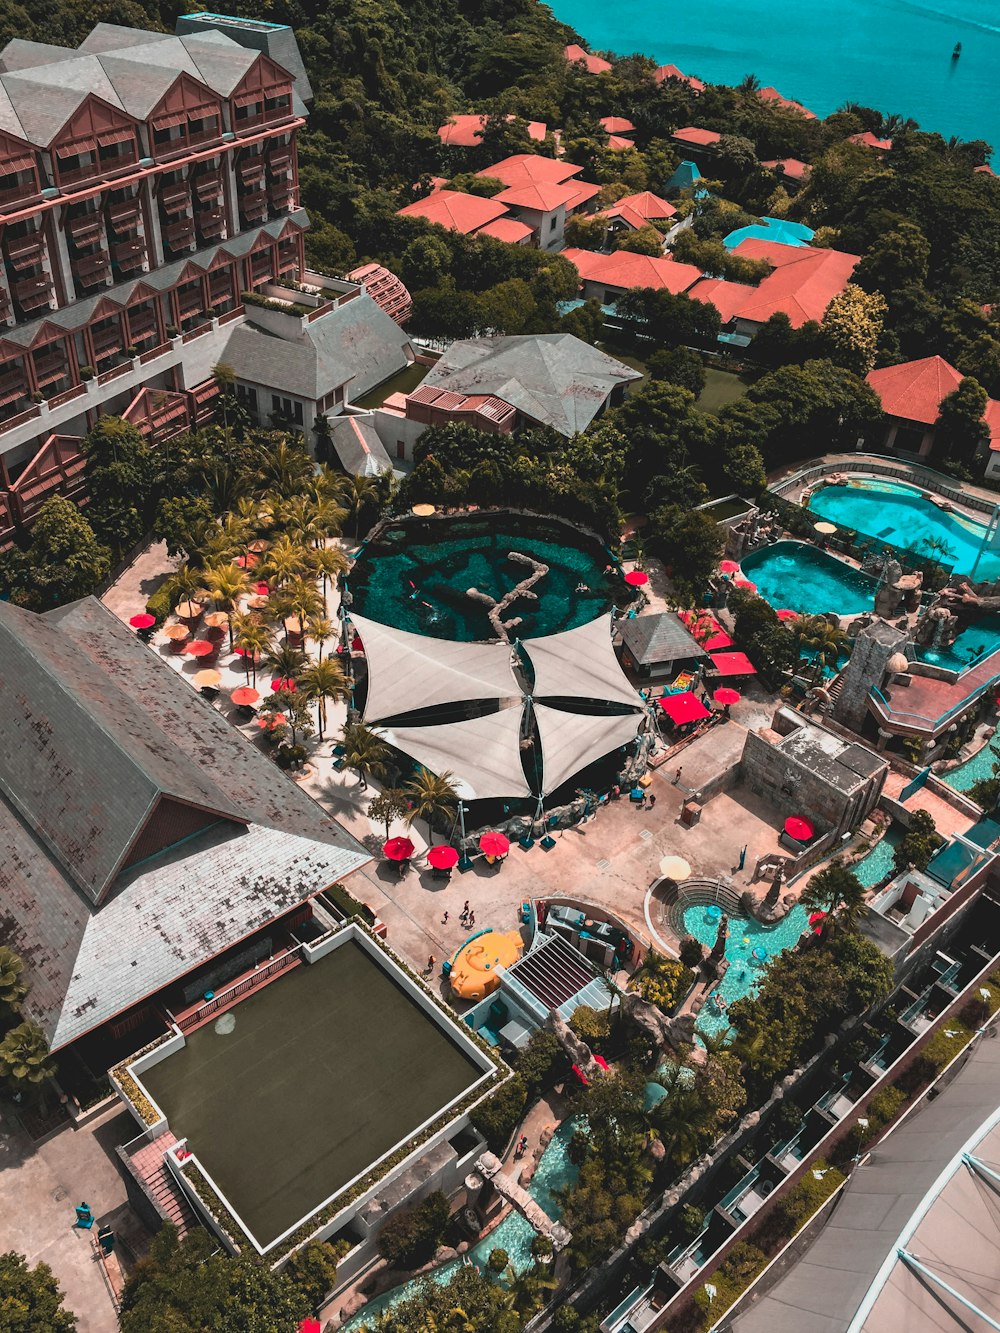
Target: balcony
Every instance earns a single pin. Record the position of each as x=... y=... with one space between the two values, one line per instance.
x=85 y=229
x=176 y=198
x=179 y=235
x=208 y=187
x=91 y=269
x=34 y=292
x=25 y=251
x=129 y=255
x=211 y=221
x=124 y=215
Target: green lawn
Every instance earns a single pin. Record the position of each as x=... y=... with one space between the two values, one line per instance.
x=404 y=382
x=721 y=387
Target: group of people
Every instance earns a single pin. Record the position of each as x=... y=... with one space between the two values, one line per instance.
x=466 y=918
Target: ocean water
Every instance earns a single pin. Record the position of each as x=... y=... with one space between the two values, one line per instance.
x=891 y=54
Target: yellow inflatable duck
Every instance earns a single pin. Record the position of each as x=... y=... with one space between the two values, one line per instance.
x=473 y=973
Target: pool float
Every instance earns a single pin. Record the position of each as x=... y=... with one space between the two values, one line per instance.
x=473 y=971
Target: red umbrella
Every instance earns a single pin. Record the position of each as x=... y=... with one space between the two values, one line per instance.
x=245 y=561
x=142 y=621
x=729 y=567
x=398 y=849
x=261 y=589
x=731 y=664
x=684 y=707
x=245 y=696
x=494 y=844
x=284 y=683
x=816 y=921
x=745 y=585
x=727 y=696
x=200 y=648
x=785 y=614
x=636 y=578
x=271 y=723
x=799 y=828
x=245 y=652
x=443 y=857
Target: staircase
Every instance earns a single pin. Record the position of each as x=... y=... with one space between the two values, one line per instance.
x=144 y=1161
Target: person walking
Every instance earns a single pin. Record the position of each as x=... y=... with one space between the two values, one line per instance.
x=472 y=919
x=677 y=776
x=444 y=919
x=652 y=800
x=743 y=856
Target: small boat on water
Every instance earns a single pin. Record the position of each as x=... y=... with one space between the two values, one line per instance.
x=957 y=51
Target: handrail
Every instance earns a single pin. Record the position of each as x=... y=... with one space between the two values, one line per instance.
x=241 y=987
x=899 y=715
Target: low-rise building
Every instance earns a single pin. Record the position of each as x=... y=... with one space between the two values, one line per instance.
x=575 y=54
x=605 y=277
x=664 y=72
x=466 y=131
x=911 y=395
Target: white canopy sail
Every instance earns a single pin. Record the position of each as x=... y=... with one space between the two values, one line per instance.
x=482 y=753
x=580 y=664
x=571 y=741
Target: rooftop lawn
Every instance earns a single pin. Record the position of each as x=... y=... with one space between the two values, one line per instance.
x=327 y=1069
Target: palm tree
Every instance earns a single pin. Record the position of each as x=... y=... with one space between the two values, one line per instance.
x=298 y=517
x=432 y=794
x=228 y=540
x=328 y=562
x=225 y=381
x=283 y=560
x=227 y=584
x=25 y=1059
x=320 y=681
x=365 y=751
x=357 y=492
x=284 y=469
x=253 y=638
x=825 y=639
x=12 y=988
x=304 y=597
x=319 y=629
x=328 y=517
x=751 y=84
x=285 y=661
x=184 y=583
x=839 y=893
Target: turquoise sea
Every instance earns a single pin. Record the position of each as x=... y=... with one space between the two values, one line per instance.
x=891 y=54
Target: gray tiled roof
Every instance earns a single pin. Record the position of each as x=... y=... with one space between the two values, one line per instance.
x=358 y=446
x=97 y=728
x=357 y=343
x=553 y=378
x=660 y=637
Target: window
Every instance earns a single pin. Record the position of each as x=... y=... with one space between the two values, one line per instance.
x=279 y=103
x=247 y=395
x=338 y=397
x=400 y=448
x=552 y=223
x=287 y=408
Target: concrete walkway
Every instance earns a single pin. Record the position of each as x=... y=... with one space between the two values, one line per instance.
x=39 y=1189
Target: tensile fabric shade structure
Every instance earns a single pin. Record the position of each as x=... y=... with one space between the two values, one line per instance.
x=675 y=867
x=729 y=567
x=635 y=578
x=442 y=857
x=726 y=696
x=245 y=697
x=142 y=621
x=800 y=828
x=733 y=664
x=682 y=708
x=398 y=849
x=494 y=844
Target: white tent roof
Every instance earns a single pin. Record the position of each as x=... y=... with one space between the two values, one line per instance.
x=483 y=753
x=580 y=664
x=408 y=671
x=570 y=741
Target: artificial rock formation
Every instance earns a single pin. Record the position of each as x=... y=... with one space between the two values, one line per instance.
x=675 y=1036
x=575 y=1047
x=522 y=589
x=771 y=906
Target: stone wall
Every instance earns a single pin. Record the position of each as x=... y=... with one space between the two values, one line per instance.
x=790 y=785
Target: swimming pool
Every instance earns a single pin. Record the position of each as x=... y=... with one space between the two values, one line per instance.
x=980 y=766
x=555 y=1172
x=771 y=229
x=744 y=970
x=881 y=859
x=903 y=516
x=805 y=579
x=975 y=641
x=416 y=576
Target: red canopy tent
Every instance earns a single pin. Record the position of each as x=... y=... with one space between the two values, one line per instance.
x=681 y=708
x=733 y=664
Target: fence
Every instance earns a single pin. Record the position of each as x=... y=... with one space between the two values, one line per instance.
x=231 y=993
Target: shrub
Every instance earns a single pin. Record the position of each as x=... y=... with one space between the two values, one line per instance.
x=692 y=951
x=87 y=372
x=498 y=1261
x=536 y=1061
x=497 y=1116
x=313 y=1269
x=663 y=981
x=348 y=904
x=591 y=1026
x=885 y=1106
x=162 y=602
x=410 y=1237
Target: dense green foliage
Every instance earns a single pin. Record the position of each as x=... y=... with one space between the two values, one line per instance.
x=63 y=562
x=411 y=1236
x=30 y=1299
x=920 y=843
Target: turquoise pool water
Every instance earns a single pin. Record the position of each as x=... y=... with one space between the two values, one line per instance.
x=416 y=576
x=744 y=970
x=902 y=516
x=879 y=861
x=805 y=579
x=555 y=1172
x=976 y=640
x=771 y=229
x=973 y=770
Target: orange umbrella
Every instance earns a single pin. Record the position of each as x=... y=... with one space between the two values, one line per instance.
x=245 y=561
x=177 y=633
x=200 y=648
x=245 y=696
x=217 y=619
x=209 y=679
x=189 y=610
x=258 y=546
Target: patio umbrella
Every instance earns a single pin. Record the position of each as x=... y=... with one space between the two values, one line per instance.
x=245 y=697
x=729 y=567
x=398 y=849
x=675 y=867
x=200 y=648
x=683 y=708
x=142 y=621
x=732 y=664
x=745 y=585
x=245 y=561
x=635 y=578
x=261 y=589
x=208 y=679
x=443 y=857
x=245 y=652
x=423 y=510
x=799 y=828
x=284 y=685
x=271 y=723
x=261 y=544
x=189 y=610
x=726 y=696
x=785 y=614
x=826 y=529
x=217 y=619
x=494 y=844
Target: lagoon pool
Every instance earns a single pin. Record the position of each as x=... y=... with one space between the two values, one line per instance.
x=805 y=579
x=903 y=516
x=744 y=970
x=881 y=859
x=980 y=766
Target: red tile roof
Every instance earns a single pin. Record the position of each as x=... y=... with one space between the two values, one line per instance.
x=456 y=211
x=465 y=131
x=617 y=125
x=672 y=72
x=803 y=282
x=985 y=171
x=727 y=297
x=617 y=143
x=626 y=213
x=624 y=270
x=545 y=197
x=583 y=192
x=915 y=389
x=530 y=169
x=693 y=134
x=869 y=140
x=790 y=167
x=595 y=65
x=649 y=206
x=775 y=98
x=506 y=229
x=992 y=419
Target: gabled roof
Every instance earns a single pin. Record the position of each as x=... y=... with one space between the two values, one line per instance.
x=664 y=72
x=455 y=210
x=868 y=140
x=803 y=283
x=790 y=167
x=506 y=229
x=775 y=98
x=646 y=205
x=530 y=169
x=357 y=445
x=617 y=125
x=595 y=64
x=583 y=192
x=694 y=134
x=466 y=131
x=915 y=390
x=543 y=198
x=552 y=378
x=617 y=143
x=623 y=270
